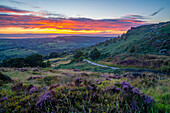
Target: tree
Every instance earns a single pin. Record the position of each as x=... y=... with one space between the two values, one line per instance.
x=94 y=54
x=48 y=64
x=53 y=55
x=106 y=42
x=35 y=60
x=14 y=62
x=132 y=48
x=78 y=54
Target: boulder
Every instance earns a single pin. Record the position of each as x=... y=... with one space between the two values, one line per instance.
x=5 y=78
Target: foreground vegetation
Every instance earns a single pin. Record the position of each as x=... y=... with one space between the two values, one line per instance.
x=73 y=90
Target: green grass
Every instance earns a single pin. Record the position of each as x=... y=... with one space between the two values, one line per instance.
x=18 y=52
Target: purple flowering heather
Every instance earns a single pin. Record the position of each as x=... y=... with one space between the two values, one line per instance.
x=125 y=87
x=3 y=98
x=34 y=89
x=116 y=77
x=125 y=83
x=78 y=70
x=147 y=99
x=46 y=100
x=108 y=79
x=135 y=91
x=77 y=81
x=90 y=87
x=119 y=77
x=134 y=105
x=96 y=80
x=117 y=89
x=106 y=76
x=113 y=89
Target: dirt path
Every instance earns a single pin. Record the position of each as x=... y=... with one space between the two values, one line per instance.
x=125 y=69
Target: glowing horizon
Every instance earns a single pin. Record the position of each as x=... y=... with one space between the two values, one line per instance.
x=25 y=21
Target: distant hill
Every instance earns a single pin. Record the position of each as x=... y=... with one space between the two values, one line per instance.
x=23 y=47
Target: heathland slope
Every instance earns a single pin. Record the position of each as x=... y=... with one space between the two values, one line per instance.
x=145 y=46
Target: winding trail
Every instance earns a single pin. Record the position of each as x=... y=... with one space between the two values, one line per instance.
x=100 y=65
x=125 y=69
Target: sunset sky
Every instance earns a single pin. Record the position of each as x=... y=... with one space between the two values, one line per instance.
x=78 y=17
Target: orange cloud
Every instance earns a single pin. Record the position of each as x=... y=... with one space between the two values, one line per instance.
x=20 y=24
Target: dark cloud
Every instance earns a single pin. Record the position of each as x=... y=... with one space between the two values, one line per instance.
x=134 y=17
x=23 y=3
x=153 y=14
x=7 y=9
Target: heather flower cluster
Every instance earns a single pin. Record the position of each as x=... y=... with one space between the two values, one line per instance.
x=34 y=89
x=3 y=98
x=78 y=81
x=46 y=100
x=113 y=89
x=130 y=92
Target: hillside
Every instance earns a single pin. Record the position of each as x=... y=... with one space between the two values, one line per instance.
x=151 y=44
x=23 y=47
x=149 y=39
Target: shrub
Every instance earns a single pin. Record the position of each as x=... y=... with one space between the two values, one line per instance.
x=48 y=64
x=78 y=57
x=94 y=54
x=78 y=54
x=53 y=55
x=165 y=68
x=132 y=49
